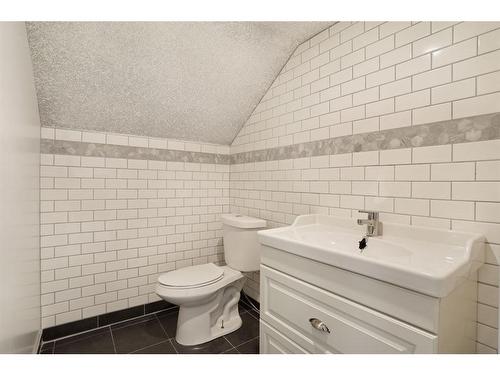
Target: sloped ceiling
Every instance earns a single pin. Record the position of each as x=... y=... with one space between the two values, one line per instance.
x=195 y=81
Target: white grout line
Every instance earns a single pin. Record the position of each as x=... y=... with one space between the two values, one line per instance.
x=246 y=342
x=232 y=346
x=149 y=346
x=166 y=334
x=112 y=339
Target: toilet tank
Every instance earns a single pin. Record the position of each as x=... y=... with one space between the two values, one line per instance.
x=241 y=246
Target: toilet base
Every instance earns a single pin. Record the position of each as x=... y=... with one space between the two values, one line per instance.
x=230 y=326
x=218 y=315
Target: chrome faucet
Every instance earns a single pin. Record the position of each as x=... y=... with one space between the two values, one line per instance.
x=371 y=223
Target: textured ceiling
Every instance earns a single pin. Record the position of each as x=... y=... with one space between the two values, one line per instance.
x=187 y=80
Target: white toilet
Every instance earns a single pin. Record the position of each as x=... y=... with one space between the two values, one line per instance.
x=208 y=294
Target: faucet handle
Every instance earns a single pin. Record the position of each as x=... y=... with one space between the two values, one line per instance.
x=372 y=215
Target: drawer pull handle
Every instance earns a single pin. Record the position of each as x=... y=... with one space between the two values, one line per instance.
x=319 y=325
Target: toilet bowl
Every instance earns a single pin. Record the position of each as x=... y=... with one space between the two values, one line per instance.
x=208 y=304
x=207 y=294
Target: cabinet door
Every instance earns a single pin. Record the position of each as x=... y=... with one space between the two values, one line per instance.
x=273 y=342
x=288 y=305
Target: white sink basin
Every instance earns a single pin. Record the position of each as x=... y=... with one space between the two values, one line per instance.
x=430 y=261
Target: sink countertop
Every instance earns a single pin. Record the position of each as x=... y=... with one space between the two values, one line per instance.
x=427 y=260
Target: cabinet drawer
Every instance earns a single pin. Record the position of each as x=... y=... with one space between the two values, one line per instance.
x=273 y=342
x=287 y=304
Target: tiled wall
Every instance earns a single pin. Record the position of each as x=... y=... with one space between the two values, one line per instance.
x=117 y=210
x=112 y=221
x=369 y=77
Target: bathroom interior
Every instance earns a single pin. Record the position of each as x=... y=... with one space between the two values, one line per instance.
x=250 y=188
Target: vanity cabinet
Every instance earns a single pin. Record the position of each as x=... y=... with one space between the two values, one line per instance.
x=312 y=307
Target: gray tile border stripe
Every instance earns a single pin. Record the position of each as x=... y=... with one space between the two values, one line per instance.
x=469 y=129
x=49 y=146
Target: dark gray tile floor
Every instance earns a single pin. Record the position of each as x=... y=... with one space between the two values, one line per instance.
x=155 y=334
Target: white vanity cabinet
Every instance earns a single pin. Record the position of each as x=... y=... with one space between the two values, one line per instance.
x=308 y=306
x=290 y=304
x=363 y=321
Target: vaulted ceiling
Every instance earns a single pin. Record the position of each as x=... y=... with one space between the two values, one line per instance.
x=195 y=81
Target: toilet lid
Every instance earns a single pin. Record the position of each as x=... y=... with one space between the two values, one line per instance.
x=194 y=276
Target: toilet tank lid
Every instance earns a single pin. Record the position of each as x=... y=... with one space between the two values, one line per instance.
x=242 y=221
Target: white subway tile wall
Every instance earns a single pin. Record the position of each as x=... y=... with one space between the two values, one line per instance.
x=110 y=226
x=366 y=77
x=416 y=73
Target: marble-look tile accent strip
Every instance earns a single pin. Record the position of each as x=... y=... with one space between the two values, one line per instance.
x=66 y=134
x=470 y=129
x=59 y=147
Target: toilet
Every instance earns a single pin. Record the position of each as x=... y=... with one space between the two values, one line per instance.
x=208 y=294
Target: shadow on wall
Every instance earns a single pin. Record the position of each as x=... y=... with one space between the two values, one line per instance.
x=19 y=195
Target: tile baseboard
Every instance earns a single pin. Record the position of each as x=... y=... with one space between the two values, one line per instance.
x=87 y=324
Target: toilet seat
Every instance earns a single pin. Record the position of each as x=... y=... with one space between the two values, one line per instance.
x=192 y=277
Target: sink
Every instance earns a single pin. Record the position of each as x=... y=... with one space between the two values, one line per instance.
x=426 y=260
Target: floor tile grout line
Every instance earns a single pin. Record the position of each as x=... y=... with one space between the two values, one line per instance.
x=161 y=325
x=112 y=339
x=232 y=346
x=246 y=342
x=258 y=336
x=225 y=352
x=172 y=343
x=139 y=322
x=149 y=346
x=249 y=313
x=249 y=307
x=166 y=334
